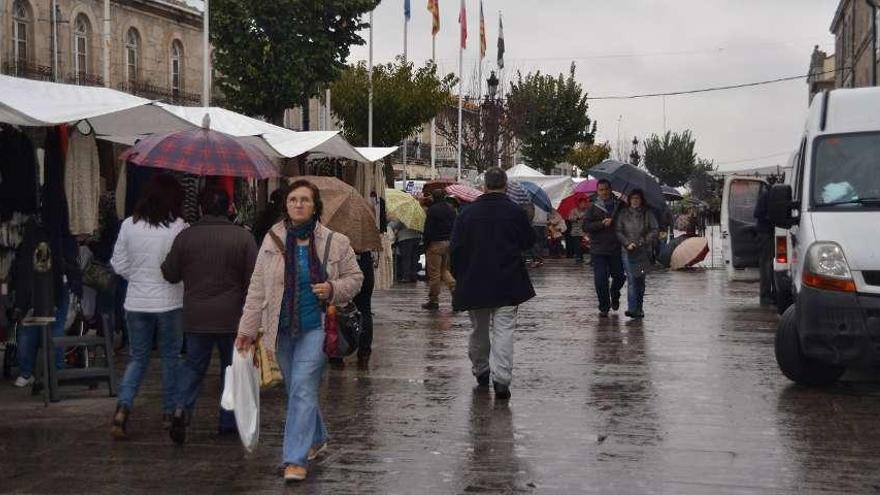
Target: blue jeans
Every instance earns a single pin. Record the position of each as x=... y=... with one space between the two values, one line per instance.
x=635 y=285
x=141 y=329
x=604 y=267
x=194 y=366
x=30 y=337
x=301 y=359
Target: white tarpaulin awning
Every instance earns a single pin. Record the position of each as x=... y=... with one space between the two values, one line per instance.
x=123 y=118
x=39 y=103
x=375 y=154
x=523 y=170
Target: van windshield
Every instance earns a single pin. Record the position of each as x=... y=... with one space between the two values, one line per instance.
x=846 y=171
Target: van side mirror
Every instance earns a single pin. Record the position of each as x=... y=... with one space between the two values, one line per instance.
x=780 y=206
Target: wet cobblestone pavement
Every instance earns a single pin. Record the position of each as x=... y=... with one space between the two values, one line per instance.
x=687 y=401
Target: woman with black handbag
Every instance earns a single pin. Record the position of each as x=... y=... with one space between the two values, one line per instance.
x=291 y=296
x=636 y=230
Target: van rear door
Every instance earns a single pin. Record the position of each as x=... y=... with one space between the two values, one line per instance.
x=739 y=228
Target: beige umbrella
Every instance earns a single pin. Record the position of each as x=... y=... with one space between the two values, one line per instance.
x=347 y=212
x=689 y=253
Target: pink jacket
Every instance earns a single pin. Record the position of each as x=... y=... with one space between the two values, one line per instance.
x=262 y=307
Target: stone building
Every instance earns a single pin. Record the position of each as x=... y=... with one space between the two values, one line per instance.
x=855 y=27
x=154 y=46
x=822 y=74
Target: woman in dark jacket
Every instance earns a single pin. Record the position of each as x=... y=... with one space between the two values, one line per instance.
x=636 y=230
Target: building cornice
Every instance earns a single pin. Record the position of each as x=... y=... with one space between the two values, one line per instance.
x=168 y=9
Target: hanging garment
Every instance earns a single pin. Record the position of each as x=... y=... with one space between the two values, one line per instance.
x=55 y=215
x=190 y=184
x=33 y=274
x=82 y=183
x=18 y=173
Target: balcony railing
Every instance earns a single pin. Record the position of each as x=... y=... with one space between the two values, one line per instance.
x=27 y=70
x=84 y=79
x=163 y=94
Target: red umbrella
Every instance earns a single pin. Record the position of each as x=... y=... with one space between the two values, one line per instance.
x=464 y=192
x=571 y=203
x=202 y=152
x=588 y=186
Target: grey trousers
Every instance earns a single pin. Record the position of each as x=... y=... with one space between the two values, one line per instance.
x=491 y=344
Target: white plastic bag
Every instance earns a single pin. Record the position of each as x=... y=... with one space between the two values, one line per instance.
x=227 y=400
x=241 y=394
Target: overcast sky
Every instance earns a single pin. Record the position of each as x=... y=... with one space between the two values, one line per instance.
x=624 y=47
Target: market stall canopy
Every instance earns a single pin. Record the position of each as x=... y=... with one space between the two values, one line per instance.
x=27 y=102
x=375 y=154
x=523 y=170
x=123 y=118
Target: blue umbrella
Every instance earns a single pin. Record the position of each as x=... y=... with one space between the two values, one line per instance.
x=518 y=193
x=538 y=196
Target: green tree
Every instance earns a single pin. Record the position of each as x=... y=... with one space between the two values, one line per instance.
x=671 y=158
x=274 y=55
x=550 y=117
x=587 y=155
x=703 y=185
x=404 y=99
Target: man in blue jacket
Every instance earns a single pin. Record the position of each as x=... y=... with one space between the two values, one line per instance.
x=491 y=278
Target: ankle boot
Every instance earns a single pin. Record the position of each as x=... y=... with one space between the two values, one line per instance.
x=120 y=422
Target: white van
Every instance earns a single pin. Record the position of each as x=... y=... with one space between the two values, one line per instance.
x=831 y=208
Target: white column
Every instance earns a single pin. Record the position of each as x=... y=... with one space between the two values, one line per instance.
x=460 y=103
x=107 y=41
x=54 y=19
x=206 y=56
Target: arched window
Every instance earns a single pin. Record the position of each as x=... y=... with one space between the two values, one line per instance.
x=132 y=55
x=82 y=32
x=20 y=28
x=176 y=67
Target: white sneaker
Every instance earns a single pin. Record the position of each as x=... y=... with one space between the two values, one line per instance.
x=22 y=382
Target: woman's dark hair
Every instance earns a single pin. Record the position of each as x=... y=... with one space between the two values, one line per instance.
x=161 y=202
x=635 y=192
x=214 y=201
x=316 y=195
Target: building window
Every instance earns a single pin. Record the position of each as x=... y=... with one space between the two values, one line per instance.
x=20 y=27
x=81 y=37
x=877 y=31
x=132 y=55
x=176 y=67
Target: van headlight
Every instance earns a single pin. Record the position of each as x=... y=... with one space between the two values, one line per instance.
x=826 y=268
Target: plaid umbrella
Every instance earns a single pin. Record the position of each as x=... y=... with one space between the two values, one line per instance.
x=464 y=192
x=202 y=152
x=518 y=193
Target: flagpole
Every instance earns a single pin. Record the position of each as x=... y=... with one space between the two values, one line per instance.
x=479 y=44
x=460 y=103
x=405 y=35
x=433 y=119
x=370 y=97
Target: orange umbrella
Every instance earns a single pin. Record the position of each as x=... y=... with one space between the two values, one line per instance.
x=689 y=253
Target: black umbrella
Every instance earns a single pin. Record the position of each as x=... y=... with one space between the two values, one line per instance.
x=671 y=193
x=624 y=178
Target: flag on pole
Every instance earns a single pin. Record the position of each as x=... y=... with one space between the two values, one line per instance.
x=434 y=9
x=482 y=33
x=406 y=10
x=462 y=20
x=500 y=43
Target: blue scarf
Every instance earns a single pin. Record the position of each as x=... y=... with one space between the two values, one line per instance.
x=289 y=318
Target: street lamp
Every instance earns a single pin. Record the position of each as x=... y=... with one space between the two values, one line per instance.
x=492 y=84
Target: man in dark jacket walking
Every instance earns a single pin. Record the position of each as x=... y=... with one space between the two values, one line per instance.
x=605 y=248
x=214 y=259
x=438 y=229
x=492 y=281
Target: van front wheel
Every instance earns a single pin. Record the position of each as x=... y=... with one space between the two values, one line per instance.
x=791 y=360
